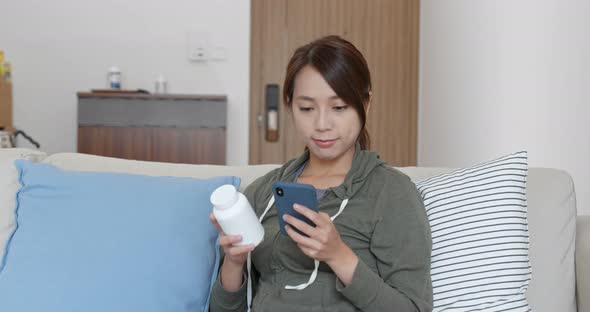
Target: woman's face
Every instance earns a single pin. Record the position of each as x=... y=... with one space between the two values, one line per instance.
x=328 y=126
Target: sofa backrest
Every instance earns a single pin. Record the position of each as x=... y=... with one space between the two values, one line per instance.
x=551 y=215
x=85 y=162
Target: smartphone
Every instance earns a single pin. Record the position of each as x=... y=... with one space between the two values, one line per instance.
x=289 y=193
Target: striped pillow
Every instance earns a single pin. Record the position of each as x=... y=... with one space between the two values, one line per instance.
x=480 y=239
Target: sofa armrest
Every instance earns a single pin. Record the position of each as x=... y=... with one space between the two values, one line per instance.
x=583 y=263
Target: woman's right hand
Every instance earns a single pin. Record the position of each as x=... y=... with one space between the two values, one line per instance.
x=236 y=254
x=235 y=257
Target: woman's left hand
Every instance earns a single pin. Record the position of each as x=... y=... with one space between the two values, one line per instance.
x=324 y=243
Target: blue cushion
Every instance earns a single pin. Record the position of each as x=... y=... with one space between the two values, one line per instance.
x=87 y=241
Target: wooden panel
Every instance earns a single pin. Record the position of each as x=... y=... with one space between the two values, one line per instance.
x=391 y=50
x=268 y=65
x=308 y=20
x=5 y=104
x=175 y=145
x=413 y=50
x=386 y=32
x=255 y=124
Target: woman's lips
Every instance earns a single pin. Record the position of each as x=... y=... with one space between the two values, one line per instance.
x=324 y=143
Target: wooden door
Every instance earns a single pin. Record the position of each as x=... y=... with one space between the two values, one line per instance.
x=385 y=31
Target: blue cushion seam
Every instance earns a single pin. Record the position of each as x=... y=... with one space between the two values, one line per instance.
x=214 y=274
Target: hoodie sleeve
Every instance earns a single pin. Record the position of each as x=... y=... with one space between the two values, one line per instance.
x=401 y=243
x=228 y=301
x=222 y=300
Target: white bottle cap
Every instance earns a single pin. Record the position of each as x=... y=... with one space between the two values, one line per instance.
x=224 y=197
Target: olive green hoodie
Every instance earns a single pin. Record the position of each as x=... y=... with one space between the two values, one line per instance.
x=383 y=222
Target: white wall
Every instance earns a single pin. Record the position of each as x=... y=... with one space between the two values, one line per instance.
x=498 y=76
x=60 y=47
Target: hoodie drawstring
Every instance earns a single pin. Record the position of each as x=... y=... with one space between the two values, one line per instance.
x=316 y=263
x=249 y=261
x=313 y=275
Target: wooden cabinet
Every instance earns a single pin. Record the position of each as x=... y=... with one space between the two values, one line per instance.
x=167 y=128
x=5 y=104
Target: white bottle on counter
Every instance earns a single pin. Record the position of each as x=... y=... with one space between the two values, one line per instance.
x=235 y=215
x=114 y=78
x=161 y=85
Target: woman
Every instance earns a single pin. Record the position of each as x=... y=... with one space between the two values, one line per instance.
x=370 y=249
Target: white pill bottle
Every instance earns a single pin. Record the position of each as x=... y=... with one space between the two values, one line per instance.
x=235 y=215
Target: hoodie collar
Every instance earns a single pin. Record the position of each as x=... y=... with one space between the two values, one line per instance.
x=363 y=163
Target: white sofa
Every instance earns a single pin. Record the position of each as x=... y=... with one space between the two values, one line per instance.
x=559 y=239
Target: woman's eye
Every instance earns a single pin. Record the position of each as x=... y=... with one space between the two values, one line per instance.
x=305 y=109
x=340 y=107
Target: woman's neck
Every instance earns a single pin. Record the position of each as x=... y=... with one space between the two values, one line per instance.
x=340 y=166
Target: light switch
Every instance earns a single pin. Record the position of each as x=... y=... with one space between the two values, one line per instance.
x=197 y=46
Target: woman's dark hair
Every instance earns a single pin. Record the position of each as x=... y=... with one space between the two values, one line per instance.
x=343 y=67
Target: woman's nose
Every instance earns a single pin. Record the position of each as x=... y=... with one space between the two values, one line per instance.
x=323 y=121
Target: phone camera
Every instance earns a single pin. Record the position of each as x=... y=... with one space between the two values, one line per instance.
x=280 y=191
